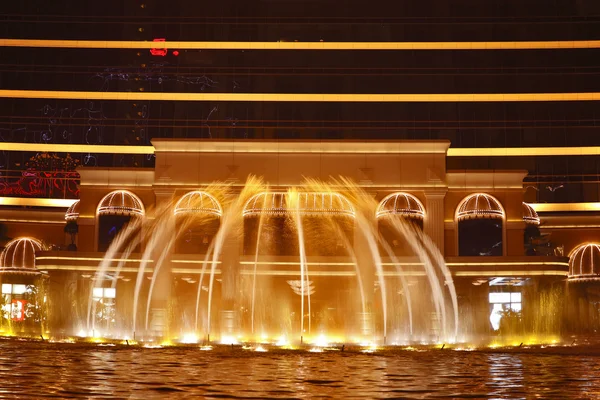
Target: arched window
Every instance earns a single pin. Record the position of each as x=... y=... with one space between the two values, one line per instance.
x=201 y=214
x=273 y=214
x=399 y=205
x=19 y=256
x=480 y=219
x=114 y=212
x=584 y=262
x=529 y=215
x=72 y=213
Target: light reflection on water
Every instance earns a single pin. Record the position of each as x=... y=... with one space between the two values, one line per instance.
x=37 y=370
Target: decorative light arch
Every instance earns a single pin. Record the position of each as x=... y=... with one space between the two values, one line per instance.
x=198 y=202
x=72 y=213
x=529 y=215
x=479 y=205
x=19 y=256
x=120 y=202
x=402 y=204
x=307 y=203
x=584 y=262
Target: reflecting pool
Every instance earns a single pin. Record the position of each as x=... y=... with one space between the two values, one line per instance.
x=41 y=369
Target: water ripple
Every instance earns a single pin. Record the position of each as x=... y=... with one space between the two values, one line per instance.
x=42 y=370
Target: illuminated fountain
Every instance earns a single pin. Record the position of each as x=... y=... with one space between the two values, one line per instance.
x=376 y=291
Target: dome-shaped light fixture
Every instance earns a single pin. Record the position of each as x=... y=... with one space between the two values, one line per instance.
x=479 y=205
x=584 y=262
x=306 y=203
x=198 y=202
x=121 y=202
x=19 y=256
x=72 y=213
x=529 y=215
x=401 y=204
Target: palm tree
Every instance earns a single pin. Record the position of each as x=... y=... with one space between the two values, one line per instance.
x=72 y=229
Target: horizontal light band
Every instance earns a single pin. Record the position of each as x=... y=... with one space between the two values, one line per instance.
x=452 y=152
x=31 y=202
x=76 y=148
x=302 y=97
x=293 y=263
x=565 y=207
x=193 y=271
x=524 y=151
x=512 y=273
x=91 y=259
x=195 y=262
x=569 y=226
x=32 y=221
x=113 y=44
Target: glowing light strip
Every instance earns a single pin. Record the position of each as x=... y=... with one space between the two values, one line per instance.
x=524 y=151
x=91 y=259
x=452 y=152
x=191 y=271
x=565 y=207
x=297 y=273
x=302 y=97
x=31 y=221
x=76 y=148
x=192 y=262
x=31 y=202
x=569 y=226
x=463 y=264
x=511 y=273
x=113 y=44
x=294 y=263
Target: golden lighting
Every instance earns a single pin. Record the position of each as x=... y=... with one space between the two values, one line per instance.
x=113 y=44
x=306 y=147
x=198 y=202
x=524 y=151
x=91 y=259
x=76 y=148
x=479 y=205
x=565 y=207
x=401 y=203
x=305 y=203
x=512 y=273
x=121 y=202
x=302 y=97
x=28 y=202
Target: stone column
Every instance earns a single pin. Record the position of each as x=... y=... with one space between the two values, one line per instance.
x=434 y=217
x=164 y=231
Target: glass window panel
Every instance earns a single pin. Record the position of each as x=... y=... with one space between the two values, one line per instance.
x=19 y=289
x=110 y=293
x=515 y=306
x=499 y=297
x=97 y=292
x=6 y=288
x=515 y=297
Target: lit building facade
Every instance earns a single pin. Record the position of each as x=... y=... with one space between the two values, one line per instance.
x=477 y=219
x=497 y=105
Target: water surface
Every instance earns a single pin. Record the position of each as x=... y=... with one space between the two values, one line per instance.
x=42 y=370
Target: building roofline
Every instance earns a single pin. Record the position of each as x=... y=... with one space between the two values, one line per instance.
x=301 y=146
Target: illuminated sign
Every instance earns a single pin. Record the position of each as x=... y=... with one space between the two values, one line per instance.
x=159 y=52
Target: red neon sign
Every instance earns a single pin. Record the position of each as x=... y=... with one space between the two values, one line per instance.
x=159 y=52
